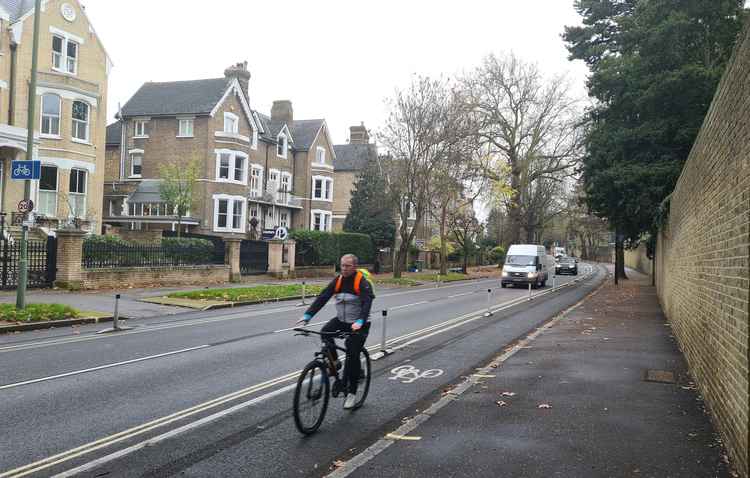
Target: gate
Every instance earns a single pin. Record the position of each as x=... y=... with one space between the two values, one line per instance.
x=253 y=257
x=42 y=262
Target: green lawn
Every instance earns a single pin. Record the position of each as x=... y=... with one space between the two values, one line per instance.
x=403 y=281
x=37 y=312
x=261 y=292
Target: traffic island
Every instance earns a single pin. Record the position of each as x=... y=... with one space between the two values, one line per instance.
x=44 y=316
x=208 y=299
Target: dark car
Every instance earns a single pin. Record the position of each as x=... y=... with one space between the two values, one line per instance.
x=566 y=265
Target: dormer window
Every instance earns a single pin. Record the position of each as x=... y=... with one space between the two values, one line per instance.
x=282 y=146
x=320 y=155
x=231 y=123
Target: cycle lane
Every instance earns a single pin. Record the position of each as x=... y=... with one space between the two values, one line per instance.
x=261 y=439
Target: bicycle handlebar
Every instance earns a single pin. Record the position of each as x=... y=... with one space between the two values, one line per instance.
x=340 y=334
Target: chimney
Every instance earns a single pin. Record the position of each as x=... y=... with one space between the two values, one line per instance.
x=240 y=72
x=358 y=134
x=282 y=111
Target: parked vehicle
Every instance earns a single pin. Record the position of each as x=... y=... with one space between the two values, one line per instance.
x=559 y=252
x=527 y=264
x=566 y=265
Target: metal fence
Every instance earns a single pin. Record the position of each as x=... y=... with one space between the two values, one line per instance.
x=103 y=255
x=40 y=263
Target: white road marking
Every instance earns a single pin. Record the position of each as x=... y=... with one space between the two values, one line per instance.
x=408 y=305
x=409 y=373
x=101 y=367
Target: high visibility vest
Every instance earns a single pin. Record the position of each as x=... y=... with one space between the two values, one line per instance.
x=357 y=280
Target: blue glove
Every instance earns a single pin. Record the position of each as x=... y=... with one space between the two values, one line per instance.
x=360 y=322
x=307 y=317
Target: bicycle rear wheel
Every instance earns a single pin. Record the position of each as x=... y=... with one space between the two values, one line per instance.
x=311 y=397
x=363 y=386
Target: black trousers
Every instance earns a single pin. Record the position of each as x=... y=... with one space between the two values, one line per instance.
x=353 y=344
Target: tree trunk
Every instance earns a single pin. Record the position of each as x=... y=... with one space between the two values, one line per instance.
x=514 y=211
x=619 y=257
x=465 y=267
x=443 y=245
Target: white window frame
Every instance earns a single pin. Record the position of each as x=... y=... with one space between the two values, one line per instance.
x=87 y=123
x=325 y=220
x=42 y=116
x=77 y=194
x=139 y=124
x=320 y=155
x=134 y=155
x=235 y=123
x=256 y=191
x=276 y=181
x=52 y=192
x=232 y=159
x=283 y=142
x=254 y=141
x=62 y=56
x=326 y=189
x=185 y=121
x=231 y=201
x=284 y=221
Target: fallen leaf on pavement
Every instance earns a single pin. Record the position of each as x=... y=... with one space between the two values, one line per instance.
x=508 y=394
x=501 y=403
x=544 y=405
x=339 y=463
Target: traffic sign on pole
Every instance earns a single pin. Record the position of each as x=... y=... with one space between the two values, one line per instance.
x=23 y=170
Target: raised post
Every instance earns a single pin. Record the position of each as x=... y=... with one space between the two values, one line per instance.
x=69 y=259
x=291 y=251
x=233 y=258
x=529 y=290
x=382 y=336
x=489 y=310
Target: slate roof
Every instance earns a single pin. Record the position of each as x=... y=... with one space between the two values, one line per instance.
x=354 y=157
x=176 y=97
x=304 y=132
x=114 y=134
x=16 y=8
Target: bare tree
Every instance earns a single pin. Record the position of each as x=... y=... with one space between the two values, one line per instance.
x=466 y=228
x=424 y=128
x=523 y=119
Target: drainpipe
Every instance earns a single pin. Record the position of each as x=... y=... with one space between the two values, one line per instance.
x=261 y=211
x=12 y=86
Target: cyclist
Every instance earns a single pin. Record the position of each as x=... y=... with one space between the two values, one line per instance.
x=354 y=296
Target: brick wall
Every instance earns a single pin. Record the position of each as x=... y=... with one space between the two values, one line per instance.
x=702 y=256
x=147 y=276
x=638 y=260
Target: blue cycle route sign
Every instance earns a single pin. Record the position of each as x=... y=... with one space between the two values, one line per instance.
x=22 y=170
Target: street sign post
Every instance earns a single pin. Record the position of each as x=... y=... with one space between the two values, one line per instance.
x=23 y=170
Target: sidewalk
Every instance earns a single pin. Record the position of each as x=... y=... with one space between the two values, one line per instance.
x=578 y=401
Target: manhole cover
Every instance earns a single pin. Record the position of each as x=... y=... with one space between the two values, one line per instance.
x=661 y=376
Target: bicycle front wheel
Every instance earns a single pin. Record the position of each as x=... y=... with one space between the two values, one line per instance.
x=311 y=397
x=363 y=386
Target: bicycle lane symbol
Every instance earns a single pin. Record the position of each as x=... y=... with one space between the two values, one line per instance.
x=409 y=373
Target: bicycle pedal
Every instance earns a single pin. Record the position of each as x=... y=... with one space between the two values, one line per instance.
x=337 y=388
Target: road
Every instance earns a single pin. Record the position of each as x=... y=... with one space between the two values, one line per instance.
x=208 y=393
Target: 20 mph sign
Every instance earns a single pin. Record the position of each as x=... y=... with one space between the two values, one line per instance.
x=25 y=205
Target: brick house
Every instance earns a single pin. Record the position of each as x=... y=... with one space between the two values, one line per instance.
x=256 y=172
x=70 y=111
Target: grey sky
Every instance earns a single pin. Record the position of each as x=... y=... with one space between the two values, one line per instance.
x=337 y=59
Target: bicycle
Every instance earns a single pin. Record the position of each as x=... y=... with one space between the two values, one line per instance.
x=314 y=387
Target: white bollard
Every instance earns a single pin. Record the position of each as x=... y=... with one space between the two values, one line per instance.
x=303 y=296
x=553 y=280
x=529 y=290
x=382 y=337
x=489 y=311
x=116 y=315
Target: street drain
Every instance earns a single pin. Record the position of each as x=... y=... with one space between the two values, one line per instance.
x=660 y=376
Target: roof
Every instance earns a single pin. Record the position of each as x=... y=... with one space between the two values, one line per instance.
x=304 y=132
x=354 y=157
x=16 y=8
x=270 y=127
x=176 y=97
x=147 y=191
x=114 y=133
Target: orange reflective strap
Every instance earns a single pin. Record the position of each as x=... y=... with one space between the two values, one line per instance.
x=338 y=285
x=357 y=280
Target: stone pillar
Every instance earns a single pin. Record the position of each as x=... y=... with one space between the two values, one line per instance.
x=233 y=258
x=291 y=249
x=275 y=264
x=69 y=255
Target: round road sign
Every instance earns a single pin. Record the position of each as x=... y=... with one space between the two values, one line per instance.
x=25 y=205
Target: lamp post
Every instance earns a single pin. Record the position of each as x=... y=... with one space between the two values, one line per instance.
x=23 y=262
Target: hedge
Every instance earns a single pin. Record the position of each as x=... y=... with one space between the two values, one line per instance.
x=318 y=248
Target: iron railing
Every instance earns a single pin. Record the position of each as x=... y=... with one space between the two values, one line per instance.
x=105 y=256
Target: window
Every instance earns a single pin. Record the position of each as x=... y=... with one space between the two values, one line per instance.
x=320 y=220
x=231 y=123
x=322 y=188
x=281 y=146
x=140 y=129
x=273 y=183
x=64 y=55
x=80 y=121
x=231 y=166
x=254 y=144
x=136 y=162
x=186 y=128
x=48 y=191
x=77 y=190
x=229 y=213
x=320 y=155
x=50 y=115
x=284 y=219
x=256 y=181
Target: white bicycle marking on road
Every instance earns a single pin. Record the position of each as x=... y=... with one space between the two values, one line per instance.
x=409 y=373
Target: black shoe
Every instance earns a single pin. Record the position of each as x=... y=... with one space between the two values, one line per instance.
x=337 y=388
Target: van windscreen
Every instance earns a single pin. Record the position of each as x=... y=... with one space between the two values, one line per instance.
x=521 y=260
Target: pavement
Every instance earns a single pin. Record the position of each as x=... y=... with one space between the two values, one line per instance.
x=602 y=391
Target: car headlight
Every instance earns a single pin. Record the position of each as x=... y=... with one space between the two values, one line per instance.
x=505 y=274
x=531 y=275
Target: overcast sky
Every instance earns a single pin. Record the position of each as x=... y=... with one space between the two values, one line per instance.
x=336 y=59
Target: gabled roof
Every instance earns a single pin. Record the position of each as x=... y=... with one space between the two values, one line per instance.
x=16 y=8
x=114 y=134
x=176 y=97
x=354 y=157
x=304 y=132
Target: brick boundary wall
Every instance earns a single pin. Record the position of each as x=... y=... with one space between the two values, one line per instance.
x=148 y=276
x=703 y=256
x=638 y=260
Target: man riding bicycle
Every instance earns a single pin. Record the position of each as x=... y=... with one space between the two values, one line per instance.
x=354 y=297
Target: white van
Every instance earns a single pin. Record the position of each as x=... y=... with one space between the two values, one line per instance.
x=527 y=264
